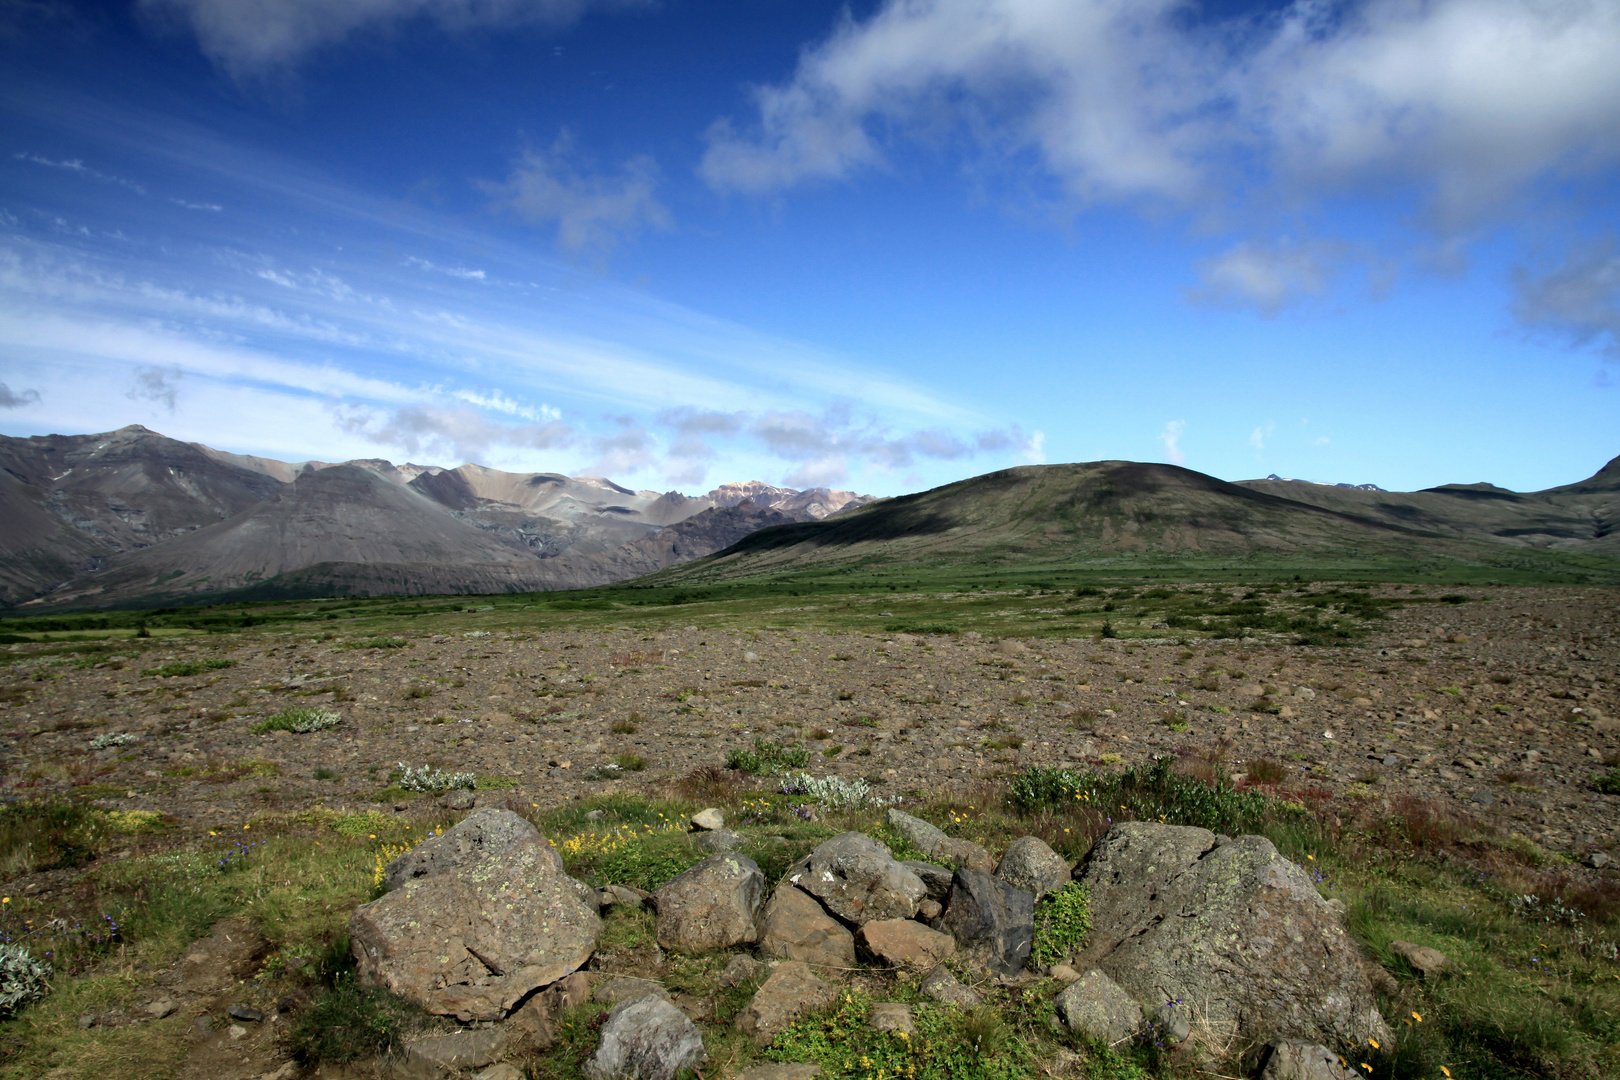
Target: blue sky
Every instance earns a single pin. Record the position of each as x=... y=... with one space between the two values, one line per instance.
x=879 y=246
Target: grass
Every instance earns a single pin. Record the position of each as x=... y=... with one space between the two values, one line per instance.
x=186 y=667
x=767 y=758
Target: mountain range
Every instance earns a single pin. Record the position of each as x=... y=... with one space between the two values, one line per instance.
x=133 y=516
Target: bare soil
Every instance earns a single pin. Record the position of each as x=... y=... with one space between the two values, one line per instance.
x=1504 y=706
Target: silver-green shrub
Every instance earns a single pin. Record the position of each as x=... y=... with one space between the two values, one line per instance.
x=23 y=979
x=428 y=778
x=834 y=792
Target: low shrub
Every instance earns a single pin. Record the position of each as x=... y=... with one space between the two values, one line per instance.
x=1149 y=793
x=640 y=858
x=767 y=758
x=428 y=778
x=1062 y=921
x=298 y=721
x=1607 y=783
x=948 y=1044
x=833 y=792
x=108 y=740
x=347 y=1022
x=48 y=834
x=378 y=643
x=23 y=979
x=186 y=667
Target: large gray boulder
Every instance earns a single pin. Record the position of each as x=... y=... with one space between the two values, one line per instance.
x=713 y=905
x=858 y=880
x=1294 y=1060
x=473 y=941
x=477 y=836
x=1230 y=924
x=796 y=927
x=1030 y=864
x=993 y=922
x=645 y=1039
x=1096 y=1007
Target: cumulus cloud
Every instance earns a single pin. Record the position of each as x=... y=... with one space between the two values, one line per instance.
x=460 y=434
x=1171 y=438
x=592 y=211
x=156 y=384
x=1467 y=102
x=13 y=399
x=252 y=38
x=1578 y=299
x=627 y=450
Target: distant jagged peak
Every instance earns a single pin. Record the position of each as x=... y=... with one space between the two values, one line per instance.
x=756 y=491
x=1296 y=480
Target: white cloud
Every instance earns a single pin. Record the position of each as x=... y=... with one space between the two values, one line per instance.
x=1257 y=439
x=1320 y=440
x=591 y=211
x=212 y=208
x=1171 y=438
x=499 y=402
x=459 y=434
x=1465 y=103
x=462 y=272
x=1269 y=277
x=253 y=37
x=1578 y=299
x=1035 y=449
x=74 y=165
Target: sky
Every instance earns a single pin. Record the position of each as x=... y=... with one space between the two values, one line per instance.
x=881 y=245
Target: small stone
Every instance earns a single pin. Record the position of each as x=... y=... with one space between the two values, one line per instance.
x=1097 y=1007
x=1598 y=860
x=236 y=1031
x=1292 y=1060
x=1304 y=693
x=892 y=1016
x=1380 y=980
x=750 y=657
x=616 y=990
x=792 y=989
x=87 y=1021
x=593 y=815
x=289 y=1071
x=929 y=910
x=157 y=1010
x=1426 y=961
x=787 y=1071
x=246 y=1013
x=457 y=800
x=1064 y=972
x=499 y=1071
x=741 y=969
x=619 y=896
x=707 y=820
x=472 y=1048
x=942 y=986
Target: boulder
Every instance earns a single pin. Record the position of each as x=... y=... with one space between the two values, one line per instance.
x=993 y=922
x=479 y=835
x=935 y=878
x=942 y=986
x=1178 y=912
x=792 y=989
x=857 y=880
x=499 y=1071
x=721 y=839
x=1031 y=865
x=533 y=1026
x=788 y=1071
x=796 y=927
x=933 y=843
x=1294 y=1060
x=619 y=896
x=1425 y=961
x=1097 y=1007
x=434 y=1055
x=645 y=1039
x=713 y=905
x=473 y=941
x=904 y=943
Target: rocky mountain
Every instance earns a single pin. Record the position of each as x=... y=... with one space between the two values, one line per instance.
x=1100 y=512
x=131 y=515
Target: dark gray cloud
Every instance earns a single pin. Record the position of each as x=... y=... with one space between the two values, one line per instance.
x=1579 y=299
x=17 y=399
x=156 y=384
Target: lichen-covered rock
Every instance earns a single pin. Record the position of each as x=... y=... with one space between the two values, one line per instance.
x=457 y=1051
x=796 y=927
x=919 y=833
x=477 y=836
x=948 y=851
x=1096 y=1007
x=713 y=905
x=1030 y=864
x=1230 y=924
x=904 y=943
x=721 y=839
x=858 y=880
x=993 y=922
x=1294 y=1060
x=792 y=989
x=645 y=1039
x=533 y=1027
x=473 y=941
x=942 y=986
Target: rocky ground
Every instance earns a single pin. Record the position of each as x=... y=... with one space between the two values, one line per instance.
x=1506 y=703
